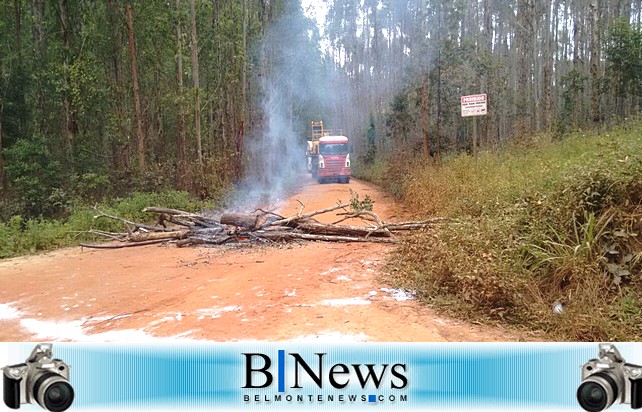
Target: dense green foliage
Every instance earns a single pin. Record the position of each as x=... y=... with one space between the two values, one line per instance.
x=624 y=53
x=68 y=118
x=553 y=222
x=19 y=235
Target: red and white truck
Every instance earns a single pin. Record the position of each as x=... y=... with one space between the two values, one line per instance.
x=334 y=159
x=328 y=155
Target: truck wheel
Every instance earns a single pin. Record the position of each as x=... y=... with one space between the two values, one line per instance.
x=320 y=180
x=346 y=180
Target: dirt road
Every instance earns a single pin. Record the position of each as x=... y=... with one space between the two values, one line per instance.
x=294 y=292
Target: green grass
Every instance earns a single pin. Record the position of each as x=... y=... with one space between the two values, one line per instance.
x=465 y=185
x=19 y=236
x=555 y=221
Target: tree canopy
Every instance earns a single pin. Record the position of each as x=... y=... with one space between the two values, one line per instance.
x=107 y=97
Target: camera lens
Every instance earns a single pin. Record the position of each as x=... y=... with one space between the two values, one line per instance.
x=592 y=396
x=58 y=396
x=597 y=392
x=53 y=392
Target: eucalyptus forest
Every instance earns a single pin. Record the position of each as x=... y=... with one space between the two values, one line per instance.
x=103 y=98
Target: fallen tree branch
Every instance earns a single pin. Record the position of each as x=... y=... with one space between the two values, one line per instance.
x=343 y=230
x=325 y=238
x=110 y=235
x=269 y=213
x=240 y=220
x=129 y=223
x=173 y=212
x=175 y=216
x=284 y=222
x=201 y=241
x=302 y=207
x=144 y=237
x=415 y=225
x=122 y=245
x=258 y=226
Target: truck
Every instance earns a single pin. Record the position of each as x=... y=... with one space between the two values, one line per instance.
x=328 y=154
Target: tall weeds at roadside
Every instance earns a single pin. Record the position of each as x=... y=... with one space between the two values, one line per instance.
x=555 y=222
x=556 y=248
x=20 y=236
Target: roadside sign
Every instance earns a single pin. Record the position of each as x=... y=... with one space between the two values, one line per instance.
x=474 y=105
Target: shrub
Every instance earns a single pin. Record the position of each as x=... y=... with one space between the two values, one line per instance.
x=34 y=176
x=20 y=236
x=555 y=222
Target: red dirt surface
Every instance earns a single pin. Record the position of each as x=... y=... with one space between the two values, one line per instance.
x=290 y=292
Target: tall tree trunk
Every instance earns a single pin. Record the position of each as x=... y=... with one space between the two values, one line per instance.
x=521 y=78
x=18 y=13
x=438 y=122
x=223 y=131
x=2 y=177
x=140 y=137
x=438 y=125
x=576 y=65
x=548 y=70
x=197 y=85
x=243 y=92
x=121 y=158
x=488 y=77
x=181 y=110
x=425 y=115
x=113 y=7
x=71 y=124
x=40 y=58
x=39 y=39
x=595 y=94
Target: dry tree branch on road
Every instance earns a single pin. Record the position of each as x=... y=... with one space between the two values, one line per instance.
x=260 y=226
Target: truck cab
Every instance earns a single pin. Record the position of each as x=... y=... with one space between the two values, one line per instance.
x=334 y=159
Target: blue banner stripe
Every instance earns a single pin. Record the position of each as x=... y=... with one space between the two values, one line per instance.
x=281 y=370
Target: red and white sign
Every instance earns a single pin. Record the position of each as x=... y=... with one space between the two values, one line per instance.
x=474 y=105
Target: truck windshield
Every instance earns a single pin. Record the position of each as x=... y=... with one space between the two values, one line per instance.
x=333 y=149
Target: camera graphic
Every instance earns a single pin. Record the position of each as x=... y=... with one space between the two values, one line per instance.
x=41 y=379
x=608 y=380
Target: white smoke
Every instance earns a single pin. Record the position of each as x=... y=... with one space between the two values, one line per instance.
x=296 y=88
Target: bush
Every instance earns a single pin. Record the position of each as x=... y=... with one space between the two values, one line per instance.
x=35 y=177
x=20 y=236
x=559 y=222
x=90 y=187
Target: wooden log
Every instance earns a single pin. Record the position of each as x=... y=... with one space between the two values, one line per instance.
x=143 y=237
x=415 y=225
x=202 y=241
x=409 y=226
x=182 y=218
x=340 y=230
x=240 y=220
x=122 y=245
x=276 y=235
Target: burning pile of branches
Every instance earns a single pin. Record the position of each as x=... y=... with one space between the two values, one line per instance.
x=184 y=228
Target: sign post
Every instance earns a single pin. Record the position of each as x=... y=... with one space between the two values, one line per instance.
x=472 y=106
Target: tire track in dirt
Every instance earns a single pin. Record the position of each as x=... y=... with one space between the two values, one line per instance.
x=296 y=292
